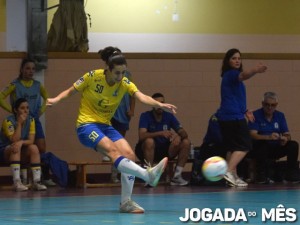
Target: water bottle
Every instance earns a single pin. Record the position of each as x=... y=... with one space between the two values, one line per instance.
x=192 y=151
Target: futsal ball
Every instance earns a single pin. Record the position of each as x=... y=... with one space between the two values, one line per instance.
x=214 y=168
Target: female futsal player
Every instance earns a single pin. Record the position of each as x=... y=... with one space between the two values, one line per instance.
x=101 y=92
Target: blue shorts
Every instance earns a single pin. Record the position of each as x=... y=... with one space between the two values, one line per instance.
x=90 y=134
x=39 y=132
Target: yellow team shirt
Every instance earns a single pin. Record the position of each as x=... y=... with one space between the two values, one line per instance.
x=99 y=101
x=8 y=128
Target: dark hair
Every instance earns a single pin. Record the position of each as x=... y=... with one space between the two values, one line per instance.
x=18 y=102
x=112 y=56
x=23 y=63
x=226 y=66
x=157 y=95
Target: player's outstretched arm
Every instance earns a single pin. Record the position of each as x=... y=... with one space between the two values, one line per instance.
x=247 y=74
x=65 y=94
x=150 y=101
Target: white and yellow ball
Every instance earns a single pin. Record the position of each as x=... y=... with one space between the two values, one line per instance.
x=214 y=168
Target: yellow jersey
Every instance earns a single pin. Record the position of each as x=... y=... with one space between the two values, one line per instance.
x=99 y=101
x=9 y=126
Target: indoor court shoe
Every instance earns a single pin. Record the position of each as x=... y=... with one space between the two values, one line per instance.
x=49 y=183
x=18 y=186
x=105 y=159
x=265 y=181
x=261 y=178
x=114 y=175
x=178 y=181
x=234 y=181
x=156 y=172
x=114 y=179
x=39 y=187
x=130 y=206
x=240 y=183
x=293 y=177
x=230 y=178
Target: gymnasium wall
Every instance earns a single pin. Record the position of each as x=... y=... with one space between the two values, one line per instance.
x=206 y=28
x=2 y=25
x=256 y=26
x=190 y=81
x=203 y=26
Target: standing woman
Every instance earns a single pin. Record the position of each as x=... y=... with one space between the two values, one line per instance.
x=25 y=86
x=233 y=114
x=101 y=93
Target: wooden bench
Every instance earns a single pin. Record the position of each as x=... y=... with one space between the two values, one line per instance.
x=81 y=173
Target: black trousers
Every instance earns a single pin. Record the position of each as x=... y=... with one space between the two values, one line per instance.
x=263 y=152
x=208 y=150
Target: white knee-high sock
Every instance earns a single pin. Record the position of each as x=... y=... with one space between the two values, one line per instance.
x=127 y=182
x=15 y=168
x=125 y=165
x=36 y=172
x=24 y=177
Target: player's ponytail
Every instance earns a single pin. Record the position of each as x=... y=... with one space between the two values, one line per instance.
x=112 y=56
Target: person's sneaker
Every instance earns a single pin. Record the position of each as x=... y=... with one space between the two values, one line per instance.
x=230 y=178
x=114 y=175
x=38 y=187
x=24 y=181
x=18 y=186
x=131 y=207
x=178 y=181
x=240 y=183
x=114 y=179
x=234 y=181
x=293 y=177
x=156 y=172
x=49 y=183
x=105 y=159
x=262 y=181
x=261 y=178
x=270 y=181
x=265 y=181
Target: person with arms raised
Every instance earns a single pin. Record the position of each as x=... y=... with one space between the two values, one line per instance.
x=233 y=115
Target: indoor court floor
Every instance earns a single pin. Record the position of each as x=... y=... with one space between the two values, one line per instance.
x=164 y=205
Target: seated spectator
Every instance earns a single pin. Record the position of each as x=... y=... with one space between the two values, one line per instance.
x=16 y=145
x=211 y=146
x=161 y=135
x=272 y=140
x=26 y=86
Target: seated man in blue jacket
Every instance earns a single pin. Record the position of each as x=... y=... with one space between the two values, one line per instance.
x=272 y=140
x=161 y=135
